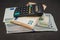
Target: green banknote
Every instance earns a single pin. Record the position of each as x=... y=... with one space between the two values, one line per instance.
x=43 y=21
x=7 y=20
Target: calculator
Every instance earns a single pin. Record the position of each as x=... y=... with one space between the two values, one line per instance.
x=31 y=10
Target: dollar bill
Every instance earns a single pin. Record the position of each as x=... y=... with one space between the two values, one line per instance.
x=44 y=21
x=7 y=20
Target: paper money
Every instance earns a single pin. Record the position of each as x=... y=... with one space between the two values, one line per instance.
x=42 y=25
x=28 y=20
x=43 y=21
x=7 y=20
x=9 y=14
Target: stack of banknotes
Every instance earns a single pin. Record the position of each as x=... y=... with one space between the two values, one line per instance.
x=44 y=23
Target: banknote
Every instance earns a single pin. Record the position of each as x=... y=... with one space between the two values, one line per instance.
x=41 y=25
x=44 y=21
x=7 y=20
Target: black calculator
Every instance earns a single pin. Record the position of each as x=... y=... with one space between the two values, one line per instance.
x=31 y=10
